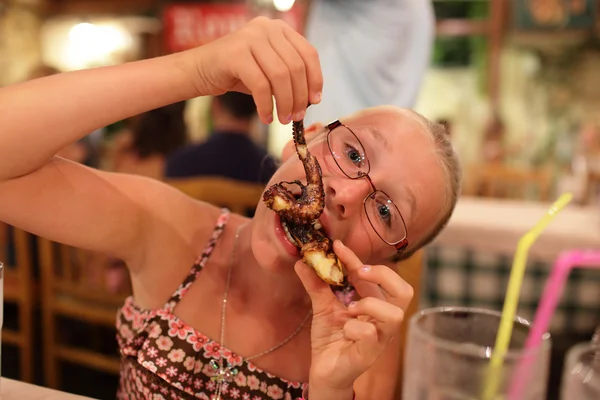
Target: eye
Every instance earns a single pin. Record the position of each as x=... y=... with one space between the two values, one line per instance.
x=354 y=155
x=385 y=213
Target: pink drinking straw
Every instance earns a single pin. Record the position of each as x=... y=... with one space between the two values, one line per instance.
x=552 y=293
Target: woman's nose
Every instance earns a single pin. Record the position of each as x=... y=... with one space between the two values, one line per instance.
x=345 y=196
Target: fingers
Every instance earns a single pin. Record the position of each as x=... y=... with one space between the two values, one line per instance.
x=291 y=66
x=259 y=86
x=353 y=264
x=321 y=295
x=347 y=257
x=370 y=279
x=280 y=80
x=365 y=336
x=297 y=70
x=397 y=291
x=388 y=317
x=314 y=74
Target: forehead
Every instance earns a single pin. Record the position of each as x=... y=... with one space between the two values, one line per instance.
x=404 y=164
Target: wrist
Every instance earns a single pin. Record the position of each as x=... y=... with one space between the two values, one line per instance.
x=190 y=65
x=317 y=392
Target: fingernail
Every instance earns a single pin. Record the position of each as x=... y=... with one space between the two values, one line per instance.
x=366 y=268
x=316 y=98
x=269 y=119
x=287 y=120
x=352 y=304
x=299 y=116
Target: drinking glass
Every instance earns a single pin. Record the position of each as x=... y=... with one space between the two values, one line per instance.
x=448 y=356
x=581 y=374
x=1 y=311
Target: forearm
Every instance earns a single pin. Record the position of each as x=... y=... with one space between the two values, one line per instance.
x=318 y=392
x=40 y=117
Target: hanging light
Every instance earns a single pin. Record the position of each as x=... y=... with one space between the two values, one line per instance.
x=283 y=5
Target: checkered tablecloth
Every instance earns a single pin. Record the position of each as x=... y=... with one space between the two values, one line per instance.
x=459 y=276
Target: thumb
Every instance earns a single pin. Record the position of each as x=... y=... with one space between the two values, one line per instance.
x=319 y=291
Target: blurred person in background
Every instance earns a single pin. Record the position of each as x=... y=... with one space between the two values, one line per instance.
x=493 y=147
x=233 y=116
x=154 y=135
x=372 y=52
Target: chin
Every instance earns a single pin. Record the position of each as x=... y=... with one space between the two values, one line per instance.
x=270 y=246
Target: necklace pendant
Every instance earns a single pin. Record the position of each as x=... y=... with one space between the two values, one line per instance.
x=223 y=374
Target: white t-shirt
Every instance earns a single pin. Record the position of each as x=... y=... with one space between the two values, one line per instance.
x=372 y=52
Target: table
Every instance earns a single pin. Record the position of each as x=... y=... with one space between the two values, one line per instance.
x=470 y=262
x=495 y=226
x=15 y=390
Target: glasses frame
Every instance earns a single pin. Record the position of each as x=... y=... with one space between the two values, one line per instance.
x=400 y=245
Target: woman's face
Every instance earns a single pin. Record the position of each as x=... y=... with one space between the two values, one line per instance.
x=404 y=165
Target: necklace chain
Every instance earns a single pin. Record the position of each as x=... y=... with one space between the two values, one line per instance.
x=226 y=373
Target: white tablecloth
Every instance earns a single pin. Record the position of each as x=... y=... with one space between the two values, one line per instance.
x=15 y=390
x=495 y=226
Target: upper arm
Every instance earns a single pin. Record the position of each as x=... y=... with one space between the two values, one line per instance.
x=86 y=208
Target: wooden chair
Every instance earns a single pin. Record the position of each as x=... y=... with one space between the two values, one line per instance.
x=20 y=289
x=68 y=292
x=411 y=270
x=239 y=197
x=501 y=181
x=592 y=188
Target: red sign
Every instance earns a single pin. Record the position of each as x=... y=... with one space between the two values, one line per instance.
x=190 y=25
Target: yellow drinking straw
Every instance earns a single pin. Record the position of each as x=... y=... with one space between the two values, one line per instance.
x=512 y=294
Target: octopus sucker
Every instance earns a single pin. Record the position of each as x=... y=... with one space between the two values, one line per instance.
x=299 y=214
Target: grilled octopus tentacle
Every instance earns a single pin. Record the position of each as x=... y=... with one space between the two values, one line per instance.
x=317 y=251
x=299 y=216
x=310 y=204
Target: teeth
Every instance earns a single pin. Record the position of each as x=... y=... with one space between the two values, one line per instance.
x=287 y=233
x=317 y=224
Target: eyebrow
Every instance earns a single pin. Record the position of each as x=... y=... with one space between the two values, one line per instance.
x=378 y=136
x=411 y=200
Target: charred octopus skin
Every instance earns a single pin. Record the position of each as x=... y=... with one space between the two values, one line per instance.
x=312 y=198
x=299 y=215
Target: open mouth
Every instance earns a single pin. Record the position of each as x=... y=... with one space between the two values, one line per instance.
x=294 y=231
x=299 y=207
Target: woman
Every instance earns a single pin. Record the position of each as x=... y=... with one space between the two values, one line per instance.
x=249 y=319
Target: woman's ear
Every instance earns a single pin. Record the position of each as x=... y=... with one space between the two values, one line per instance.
x=309 y=134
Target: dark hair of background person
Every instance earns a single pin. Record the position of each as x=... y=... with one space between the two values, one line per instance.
x=239 y=105
x=160 y=131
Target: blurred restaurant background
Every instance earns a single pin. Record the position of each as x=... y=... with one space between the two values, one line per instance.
x=516 y=82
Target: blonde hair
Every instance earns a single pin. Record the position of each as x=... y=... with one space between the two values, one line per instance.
x=450 y=163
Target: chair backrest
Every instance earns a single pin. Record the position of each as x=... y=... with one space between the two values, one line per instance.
x=77 y=274
x=16 y=254
x=75 y=285
x=239 y=197
x=411 y=270
x=501 y=181
x=591 y=193
x=20 y=288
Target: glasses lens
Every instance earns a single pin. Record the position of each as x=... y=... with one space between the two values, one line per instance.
x=348 y=152
x=385 y=217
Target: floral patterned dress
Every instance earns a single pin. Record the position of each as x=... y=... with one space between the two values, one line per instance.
x=164 y=358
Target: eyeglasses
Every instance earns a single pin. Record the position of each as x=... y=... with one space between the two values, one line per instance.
x=351 y=158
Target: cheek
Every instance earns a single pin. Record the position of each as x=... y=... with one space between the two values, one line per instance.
x=364 y=242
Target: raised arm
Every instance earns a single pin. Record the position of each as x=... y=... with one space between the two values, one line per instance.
x=101 y=211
